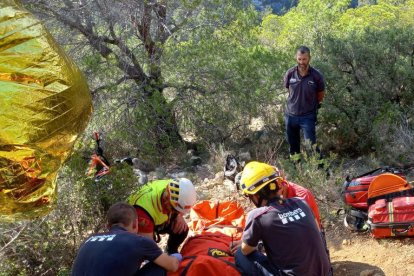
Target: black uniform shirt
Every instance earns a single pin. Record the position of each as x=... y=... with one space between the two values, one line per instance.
x=290 y=236
x=303 y=97
x=117 y=252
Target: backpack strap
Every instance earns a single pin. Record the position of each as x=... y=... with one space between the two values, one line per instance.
x=397 y=229
x=390 y=196
x=349 y=178
x=187 y=267
x=380 y=169
x=192 y=258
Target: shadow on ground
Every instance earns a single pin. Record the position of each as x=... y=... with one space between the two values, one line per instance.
x=347 y=268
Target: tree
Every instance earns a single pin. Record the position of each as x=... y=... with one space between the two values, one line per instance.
x=370 y=60
x=366 y=56
x=232 y=80
x=307 y=23
x=121 y=45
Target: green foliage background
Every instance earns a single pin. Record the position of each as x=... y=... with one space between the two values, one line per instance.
x=220 y=68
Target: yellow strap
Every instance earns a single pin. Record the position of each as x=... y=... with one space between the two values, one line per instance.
x=391 y=214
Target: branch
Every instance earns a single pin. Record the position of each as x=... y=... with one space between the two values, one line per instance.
x=116 y=41
x=14 y=238
x=412 y=57
x=185 y=87
x=103 y=87
x=99 y=43
x=144 y=29
x=225 y=137
x=177 y=26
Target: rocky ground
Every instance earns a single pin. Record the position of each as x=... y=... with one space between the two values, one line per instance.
x=360 y=254
x=351 y=253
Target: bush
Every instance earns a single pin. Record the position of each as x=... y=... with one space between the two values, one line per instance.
x=369 y=88
x=323 y=177
x=47 y=246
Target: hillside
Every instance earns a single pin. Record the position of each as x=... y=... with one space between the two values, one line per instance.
x=352 y=254
x=177 y=84
x=360 y=254
x=282 y=6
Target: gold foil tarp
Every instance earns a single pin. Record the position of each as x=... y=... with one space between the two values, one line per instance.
x=44 y=105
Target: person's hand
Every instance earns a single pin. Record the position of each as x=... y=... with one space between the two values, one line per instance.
x=179 y=225
x=178 y=256
x=234 y=245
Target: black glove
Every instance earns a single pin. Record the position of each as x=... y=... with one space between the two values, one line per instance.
x=319 y=105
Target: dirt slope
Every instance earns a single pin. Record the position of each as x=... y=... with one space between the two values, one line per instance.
x=352 y=254
x=360 y=254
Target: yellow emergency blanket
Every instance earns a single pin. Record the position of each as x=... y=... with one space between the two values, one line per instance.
x=44 y=105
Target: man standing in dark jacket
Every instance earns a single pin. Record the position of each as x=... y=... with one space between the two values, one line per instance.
x=306 y=88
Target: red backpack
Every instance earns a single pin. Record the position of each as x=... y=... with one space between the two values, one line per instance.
x=391 y=207
x=355 y=190
x=355 y=196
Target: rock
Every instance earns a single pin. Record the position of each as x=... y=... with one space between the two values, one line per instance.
x=195 y=160
x=203 y=194
x=179 y=175
x=265 y=137
x=142 y=165
x=208 y=184
x=246 y=142
x=204 y=171
x=261 y=136
x=245 y=156
x=143 y=179
x=230 y=185
x=191 y=152
x=142 y=176
x=159 y=173
x=368 y=272
x=336 y=266
x=219 y=176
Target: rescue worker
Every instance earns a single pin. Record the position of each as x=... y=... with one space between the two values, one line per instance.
x=160 y=206
x=121 y=251
x=287 y=228
x=287 y=189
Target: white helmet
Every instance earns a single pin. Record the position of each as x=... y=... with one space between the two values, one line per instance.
x=182 y=194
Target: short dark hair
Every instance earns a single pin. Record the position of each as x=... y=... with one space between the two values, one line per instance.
x=121 y=212
x=303 y=50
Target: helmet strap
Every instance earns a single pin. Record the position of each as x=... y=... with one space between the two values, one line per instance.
x=256 y=199
x=135 y=224
x=283 y=186
x=165 y=202
x=260 y=201
x=275 y=200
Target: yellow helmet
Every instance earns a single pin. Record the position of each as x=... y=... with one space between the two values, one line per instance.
x=257 y=175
